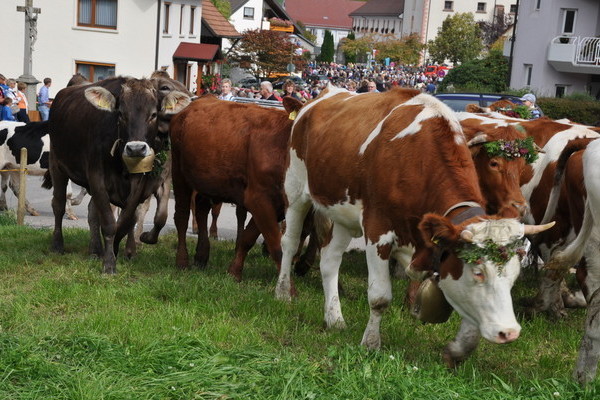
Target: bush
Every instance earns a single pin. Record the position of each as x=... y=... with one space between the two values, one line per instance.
x=8 y=218
x=484 y=75
x=577 y=110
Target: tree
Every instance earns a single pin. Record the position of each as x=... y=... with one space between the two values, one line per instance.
x=264 y=52
x=224 y=7
x=458 y=40
x=406 y=50
x=359 y=47
x=349 y=57
x=492 y=31
x=487 y=74
x=327 y=48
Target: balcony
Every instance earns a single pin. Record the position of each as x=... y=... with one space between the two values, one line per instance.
x=574 y=54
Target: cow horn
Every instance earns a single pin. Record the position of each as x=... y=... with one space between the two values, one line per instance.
x=466 y=235
x=538 y=148
x=479 y=138
x=533 y=229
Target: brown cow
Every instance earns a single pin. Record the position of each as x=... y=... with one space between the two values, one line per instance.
x=234 y=153
x=395 y=168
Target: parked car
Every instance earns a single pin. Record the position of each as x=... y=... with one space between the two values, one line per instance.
x=459 y=101
x=248 y=83
x=278 y=84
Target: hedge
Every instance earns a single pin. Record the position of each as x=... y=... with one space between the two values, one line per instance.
x=580 y=111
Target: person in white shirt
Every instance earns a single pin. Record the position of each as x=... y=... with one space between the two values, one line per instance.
x=226 y=90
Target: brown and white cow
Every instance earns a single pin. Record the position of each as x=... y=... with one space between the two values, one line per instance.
x=91 y=128
x=235 y=153
x=395 y=168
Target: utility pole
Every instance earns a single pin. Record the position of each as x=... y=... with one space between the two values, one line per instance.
x=31 y=15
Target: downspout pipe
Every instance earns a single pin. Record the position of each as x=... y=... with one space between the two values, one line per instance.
x=157 y=34
x=512 y=47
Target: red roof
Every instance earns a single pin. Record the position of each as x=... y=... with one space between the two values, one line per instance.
x=323 y=13
x=217 y=22
x=196 y=51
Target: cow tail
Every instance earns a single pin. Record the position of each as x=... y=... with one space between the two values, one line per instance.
x=559 y=175
x=47 y=183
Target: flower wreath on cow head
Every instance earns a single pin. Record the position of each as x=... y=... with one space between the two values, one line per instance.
x=511 y=149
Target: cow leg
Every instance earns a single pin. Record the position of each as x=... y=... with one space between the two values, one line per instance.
x=131 y=245
x=203 y=206
x=294 y=217
x=4 y=177
x=549 y=297
x=193 y=208
x=59 y=199
x=109 y=229
x=240 y=214
x=379 y=293
x=243 y=244
x=331 y=259
x=70 y=213
x=215 y=210
x=95 y=246
x=463 y=345
x=141 y=212
x=162 y=212
x=77 y=200
x=15 y=186
x=183 y=201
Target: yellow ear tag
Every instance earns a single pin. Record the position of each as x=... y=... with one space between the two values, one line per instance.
x=293 y=115
x=104 y=104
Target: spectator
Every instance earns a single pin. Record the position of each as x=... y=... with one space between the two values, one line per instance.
x=6 y=113
x=289 y=90
x=372 y=87
x=226 y=90
x=351 y=86
x=44 y=102
x=266 y=91
x=3 y=87
x=430 y=88
x=23 y=114
x=529 y=100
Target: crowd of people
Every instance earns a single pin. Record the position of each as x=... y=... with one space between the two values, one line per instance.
x=13 y=101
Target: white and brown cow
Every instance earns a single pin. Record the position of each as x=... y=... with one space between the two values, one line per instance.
x=395 y=168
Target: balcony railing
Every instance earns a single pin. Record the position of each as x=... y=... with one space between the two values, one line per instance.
x=575 y=54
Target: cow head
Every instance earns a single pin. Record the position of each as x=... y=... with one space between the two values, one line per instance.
x=479 y=264
x=499 y=171
x=178 y=97
x=138 y=106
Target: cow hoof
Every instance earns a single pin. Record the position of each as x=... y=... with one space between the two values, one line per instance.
x=283 y=293
x=301 y=268
x=110 y=270
x=72 y=217
x=212 y=235
x=33 y=213
x=451 y=361
x=148 y=238
x=235 y=274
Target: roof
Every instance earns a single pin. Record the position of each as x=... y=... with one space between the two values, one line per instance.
x=236 y=4
x=196 y=51
x=217 y=23
x=330 y=13
x=380 y=7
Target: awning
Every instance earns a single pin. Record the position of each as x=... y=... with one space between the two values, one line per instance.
x=196 y=51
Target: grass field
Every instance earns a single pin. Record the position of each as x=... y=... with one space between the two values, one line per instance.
x=152 y=332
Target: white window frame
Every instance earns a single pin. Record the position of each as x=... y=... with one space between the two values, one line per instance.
x=564 y=87
x=565 y=12
x=166 y=18
x=484 y=7
x=247 y=13
x=451 y=5
x=192 y=19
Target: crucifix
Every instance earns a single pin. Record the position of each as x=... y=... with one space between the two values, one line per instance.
x=31 y=15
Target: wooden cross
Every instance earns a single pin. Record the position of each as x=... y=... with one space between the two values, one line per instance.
x=31 y=15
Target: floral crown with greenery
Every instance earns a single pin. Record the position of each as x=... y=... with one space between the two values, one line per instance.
x=473 y=253
x=511 y=149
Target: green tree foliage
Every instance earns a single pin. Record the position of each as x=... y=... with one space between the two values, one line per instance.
x=224 y=7
x=306 y=33
x=358 y=48
x=264 y=52
x=406 y=50
x=489 y=74
x=348 y=56
x=581 y=111
x=327 y=48
x=458 y=40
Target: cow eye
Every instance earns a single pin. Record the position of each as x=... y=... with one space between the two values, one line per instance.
x=478 y=275
x=494 y=164
x=153 y=116
x=164 y=87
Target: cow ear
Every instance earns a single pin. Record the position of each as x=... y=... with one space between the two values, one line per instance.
x=438 y=230
x=101 y=98
x=175 y=102
x=291 y=105
x=474 y=108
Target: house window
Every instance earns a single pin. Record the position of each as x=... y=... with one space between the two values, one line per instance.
x=448 y=5
x=481 y=7
x=249 y=12
x=569 y=21
x=528 y=74
x=95 y=72
x=192 y=19
x=181 y=19
x=561 y=90
x=97 y=13
x=513 y=8
x=166 y=16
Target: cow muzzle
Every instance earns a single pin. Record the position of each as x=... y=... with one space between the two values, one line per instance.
x=138 y=158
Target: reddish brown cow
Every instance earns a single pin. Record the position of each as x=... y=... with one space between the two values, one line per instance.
x=395 y=168
x=234 y=153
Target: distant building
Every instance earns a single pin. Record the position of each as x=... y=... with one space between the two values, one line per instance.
x=557 y=47
x=318 y=16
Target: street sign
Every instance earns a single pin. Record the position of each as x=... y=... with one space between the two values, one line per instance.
x=290 y=68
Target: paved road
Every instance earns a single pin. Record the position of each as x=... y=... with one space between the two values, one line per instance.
x=41 y=198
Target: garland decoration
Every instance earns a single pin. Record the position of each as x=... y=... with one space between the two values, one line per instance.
x=511 y=149
x=472 y=253
x=520 y=111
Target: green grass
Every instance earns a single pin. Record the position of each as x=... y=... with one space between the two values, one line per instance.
x=152 y=332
